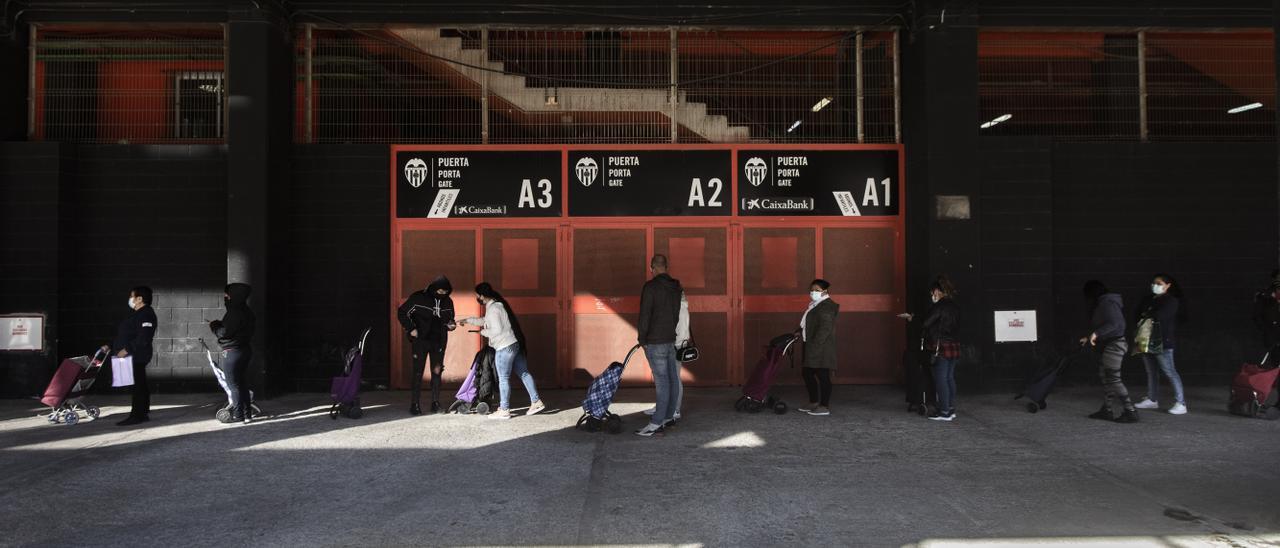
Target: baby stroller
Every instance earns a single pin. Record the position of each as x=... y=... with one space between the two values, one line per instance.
x=1042 y=381
x=755 y=395
x=224 y=413
x=65 y=395
x=345 y=388
x=595 y=409
x=477 y=391
x=1251 y=388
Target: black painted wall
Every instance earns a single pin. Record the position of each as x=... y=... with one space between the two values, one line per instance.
x=339 y=278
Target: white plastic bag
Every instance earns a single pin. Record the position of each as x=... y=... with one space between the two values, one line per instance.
x=122 y=371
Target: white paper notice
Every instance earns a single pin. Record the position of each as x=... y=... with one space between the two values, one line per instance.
x=848 y=206
x=443 y=205
x=1015 y=325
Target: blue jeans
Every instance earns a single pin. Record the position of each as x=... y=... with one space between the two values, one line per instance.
x=505 y=361
x=666 y=380
x=1162 y=363
x=944 y=380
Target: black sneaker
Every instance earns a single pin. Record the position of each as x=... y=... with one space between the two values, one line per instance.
x=1103 y=414
x=435 y=407
x=132 y=420
x=940 y=416
x=415 y=409
x=1128 y=416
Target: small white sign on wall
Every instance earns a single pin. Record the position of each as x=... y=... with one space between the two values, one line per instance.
x=22 y=332
x=1015 y=326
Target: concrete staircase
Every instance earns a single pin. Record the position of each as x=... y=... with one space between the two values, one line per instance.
x=514 y=90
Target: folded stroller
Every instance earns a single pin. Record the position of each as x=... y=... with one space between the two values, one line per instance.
x=595 y=409
x=922 y=396
x=755 y=394
x=1251 y=388
x=224 y=413
x=1042 y=381
x=345 y=388
x=65 y=394
x=477 y=391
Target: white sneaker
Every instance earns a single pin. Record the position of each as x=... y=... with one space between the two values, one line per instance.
x=649 y=430
x=1146 y=403
x=650 y=411
x=501 y=414
x=535 y=408
x=1178 y=409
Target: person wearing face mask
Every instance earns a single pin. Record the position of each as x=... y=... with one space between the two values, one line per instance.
x=817 y=330
x=427 y=316
x=1166 y=306
x=502 y=328
x=235 y=336
x=1106 y=313
x=133 y=338
x=940 y=328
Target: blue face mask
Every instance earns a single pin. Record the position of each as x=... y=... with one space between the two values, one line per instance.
x=815 y=295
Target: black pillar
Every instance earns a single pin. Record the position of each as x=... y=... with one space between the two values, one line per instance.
x=1275 y=23
x=940 y=131
x=260 y=76
x=13 y=87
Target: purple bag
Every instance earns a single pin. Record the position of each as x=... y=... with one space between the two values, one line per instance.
x=345 y=389
x=467 y=392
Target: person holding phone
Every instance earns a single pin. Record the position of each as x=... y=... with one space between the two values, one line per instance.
x=427 y=316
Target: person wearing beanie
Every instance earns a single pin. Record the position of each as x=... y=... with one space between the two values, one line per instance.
x=235 y=336
x=427 y=316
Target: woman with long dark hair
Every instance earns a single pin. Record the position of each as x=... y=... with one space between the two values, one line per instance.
x=501 y=327
x=1161 y=311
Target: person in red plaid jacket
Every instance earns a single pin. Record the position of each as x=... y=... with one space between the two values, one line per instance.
x=940 y=326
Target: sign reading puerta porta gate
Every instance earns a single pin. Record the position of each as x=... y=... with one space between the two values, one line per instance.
x=478 y=183
x=643 y=182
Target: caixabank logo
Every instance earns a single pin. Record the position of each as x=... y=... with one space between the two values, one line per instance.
x=480 y=210
x=778 y=204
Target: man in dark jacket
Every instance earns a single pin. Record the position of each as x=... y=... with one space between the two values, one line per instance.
x=1106 y=336
x=133 y=338
x=656 y=330
x=427 y=316
x=235 y=335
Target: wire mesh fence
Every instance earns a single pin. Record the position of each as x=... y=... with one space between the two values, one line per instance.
x=513 y=85
x=128 y=85
x=1128 y=86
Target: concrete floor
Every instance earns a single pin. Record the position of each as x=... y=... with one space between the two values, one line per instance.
x=871 y=474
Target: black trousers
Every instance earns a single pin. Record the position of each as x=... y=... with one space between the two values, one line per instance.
x=235 y=366
x=818 y=382
x=422 y=352
x=141 y=391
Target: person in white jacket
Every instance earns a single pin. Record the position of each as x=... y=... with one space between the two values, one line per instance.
x=682 y=339
x=501 y=327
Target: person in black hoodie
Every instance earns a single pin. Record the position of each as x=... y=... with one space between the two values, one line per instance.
x=235 y=335
x=427 y=316
x=1106 y=336
x=656 y=332
x=133 y=338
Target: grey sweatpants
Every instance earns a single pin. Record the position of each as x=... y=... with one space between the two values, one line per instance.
x=1109 y=362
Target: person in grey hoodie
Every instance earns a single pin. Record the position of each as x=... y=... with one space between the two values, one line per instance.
x=1106 y=337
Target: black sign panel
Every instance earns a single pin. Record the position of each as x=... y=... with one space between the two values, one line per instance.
x=490 y=183
x=848 y=183
x=622 y=183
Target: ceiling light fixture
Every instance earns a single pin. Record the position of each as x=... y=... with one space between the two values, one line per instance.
x=1244 y=108
x=821 y=103
x=997 y=120
x=793 y=126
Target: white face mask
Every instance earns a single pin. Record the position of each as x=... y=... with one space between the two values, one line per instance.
x=1158 y=289
x=934 y=298
x=130 y=302
x=815 y=295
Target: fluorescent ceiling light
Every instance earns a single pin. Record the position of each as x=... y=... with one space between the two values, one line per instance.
x=822 y=103
x=1244 y=108
x=997 y=120
x=793 y=126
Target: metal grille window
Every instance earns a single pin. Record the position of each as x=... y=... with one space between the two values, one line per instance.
x=507 y=85
x=127 y=85
x=1128 y=86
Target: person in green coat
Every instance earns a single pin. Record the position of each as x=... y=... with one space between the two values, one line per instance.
x=817 y=330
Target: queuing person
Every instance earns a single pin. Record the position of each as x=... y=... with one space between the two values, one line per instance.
x=235 y=336
x=1266 y=315
x=502 y=328
x=427 y=316
x=656 y=332
x=817 y=330
x=133 y=339
x=683 y=339
x=940 y=327
x=1106 y=337
x=1163 y=309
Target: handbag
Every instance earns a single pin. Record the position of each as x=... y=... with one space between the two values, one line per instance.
x=688 y=352
x=122 y=371
x=1147 y=339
